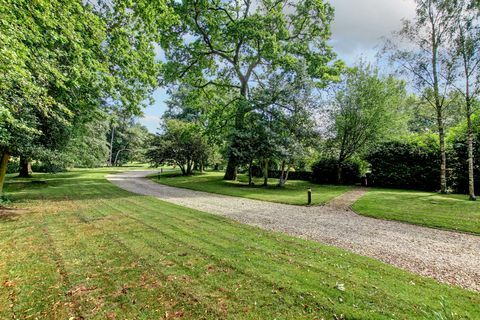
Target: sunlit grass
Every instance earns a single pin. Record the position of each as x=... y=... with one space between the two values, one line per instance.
x=452 y=212
x=79 y=247
x=294 y=192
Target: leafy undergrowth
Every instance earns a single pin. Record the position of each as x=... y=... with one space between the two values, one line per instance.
x=78 y=246
x=451 y=212
x=294 y=192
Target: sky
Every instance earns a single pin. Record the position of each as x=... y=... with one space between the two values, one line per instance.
x=357 y=33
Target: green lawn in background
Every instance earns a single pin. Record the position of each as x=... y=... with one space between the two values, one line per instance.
x=78 y=246
x=452 y=212
x=295 y=191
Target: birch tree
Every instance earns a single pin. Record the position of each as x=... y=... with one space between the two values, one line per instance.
x=420 y=51
x=465 y=37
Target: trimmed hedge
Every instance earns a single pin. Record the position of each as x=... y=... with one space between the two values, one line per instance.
x=292 y=175
x=459 y=165
x=325 y=171
x=404 y=164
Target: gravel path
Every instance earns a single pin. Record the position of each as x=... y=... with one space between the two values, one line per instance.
x=446 y=256
x=346 y=200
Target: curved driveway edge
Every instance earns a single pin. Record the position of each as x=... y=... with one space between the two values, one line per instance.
x=447 y=256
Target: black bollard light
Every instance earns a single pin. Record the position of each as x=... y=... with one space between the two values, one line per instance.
x=309 y=192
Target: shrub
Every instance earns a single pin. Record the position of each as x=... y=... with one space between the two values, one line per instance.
x=48 y=167
x=325 y=171
x=13 y=166
x=292 y=175
x=405 y=164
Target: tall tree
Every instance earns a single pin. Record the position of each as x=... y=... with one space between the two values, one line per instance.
x=179 y=144
x=129 y=141
x=229 y=43
x=423 y=55
x=63 y=60
x=48 y=65
x=465 y=37
x=287 y=100
x=363 y=111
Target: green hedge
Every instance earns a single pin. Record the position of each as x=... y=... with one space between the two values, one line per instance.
x=325 y=171
x=292 y=175
x=458 y=155
x=405 y=164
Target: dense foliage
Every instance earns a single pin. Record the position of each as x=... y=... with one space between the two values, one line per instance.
x=181 y=145
x=232 y=45
x=326 y=171
x=362 y=112
x=254 y=85
x=62 y=64
x=458 y=140
x=404 y=164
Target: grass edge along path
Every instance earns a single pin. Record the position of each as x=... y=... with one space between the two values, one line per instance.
x=453 y=212
x=447 y=212
x=294 y=192
x=84 y=247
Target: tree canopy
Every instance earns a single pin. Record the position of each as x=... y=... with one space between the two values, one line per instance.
x=231 y=44
x=62 y=62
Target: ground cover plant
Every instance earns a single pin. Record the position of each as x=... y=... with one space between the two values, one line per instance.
x=77 y=246
x=294 y=192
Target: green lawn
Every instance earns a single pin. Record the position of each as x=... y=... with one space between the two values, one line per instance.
x=77 y=246
x=295 y=191
x=451 y=212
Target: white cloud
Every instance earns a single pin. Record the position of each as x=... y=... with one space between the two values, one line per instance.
x=150 y=119
x=360 y=25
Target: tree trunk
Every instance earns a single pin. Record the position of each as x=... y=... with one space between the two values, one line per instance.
x=284 y=175
x=111 y=147
x=265 y=173
x=438 y=104
x=250 y=173
x=471 y=182
x=25 y=168
x=339 y=174
x=280 y=181
x=231 y=171
x=5 y=156
x=182 y=168
x=443 y=155
x=285 y=179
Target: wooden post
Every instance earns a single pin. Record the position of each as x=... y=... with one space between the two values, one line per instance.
x=309 y=193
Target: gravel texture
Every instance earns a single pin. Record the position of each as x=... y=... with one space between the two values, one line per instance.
x=449 y=257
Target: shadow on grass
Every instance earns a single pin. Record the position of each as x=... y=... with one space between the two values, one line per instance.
x=66 y=186
x=10 y=214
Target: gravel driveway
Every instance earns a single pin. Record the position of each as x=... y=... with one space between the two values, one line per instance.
x=446 y=256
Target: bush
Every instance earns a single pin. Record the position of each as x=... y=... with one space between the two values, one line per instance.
x=405 y=164
x=48 y=167
x=325 y=171
x=292 y=175
x=13 y=166
x=37 y=166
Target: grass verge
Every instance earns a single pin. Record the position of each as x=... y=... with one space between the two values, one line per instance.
x=451 y=212
x=295 y=191
x=77 y=246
